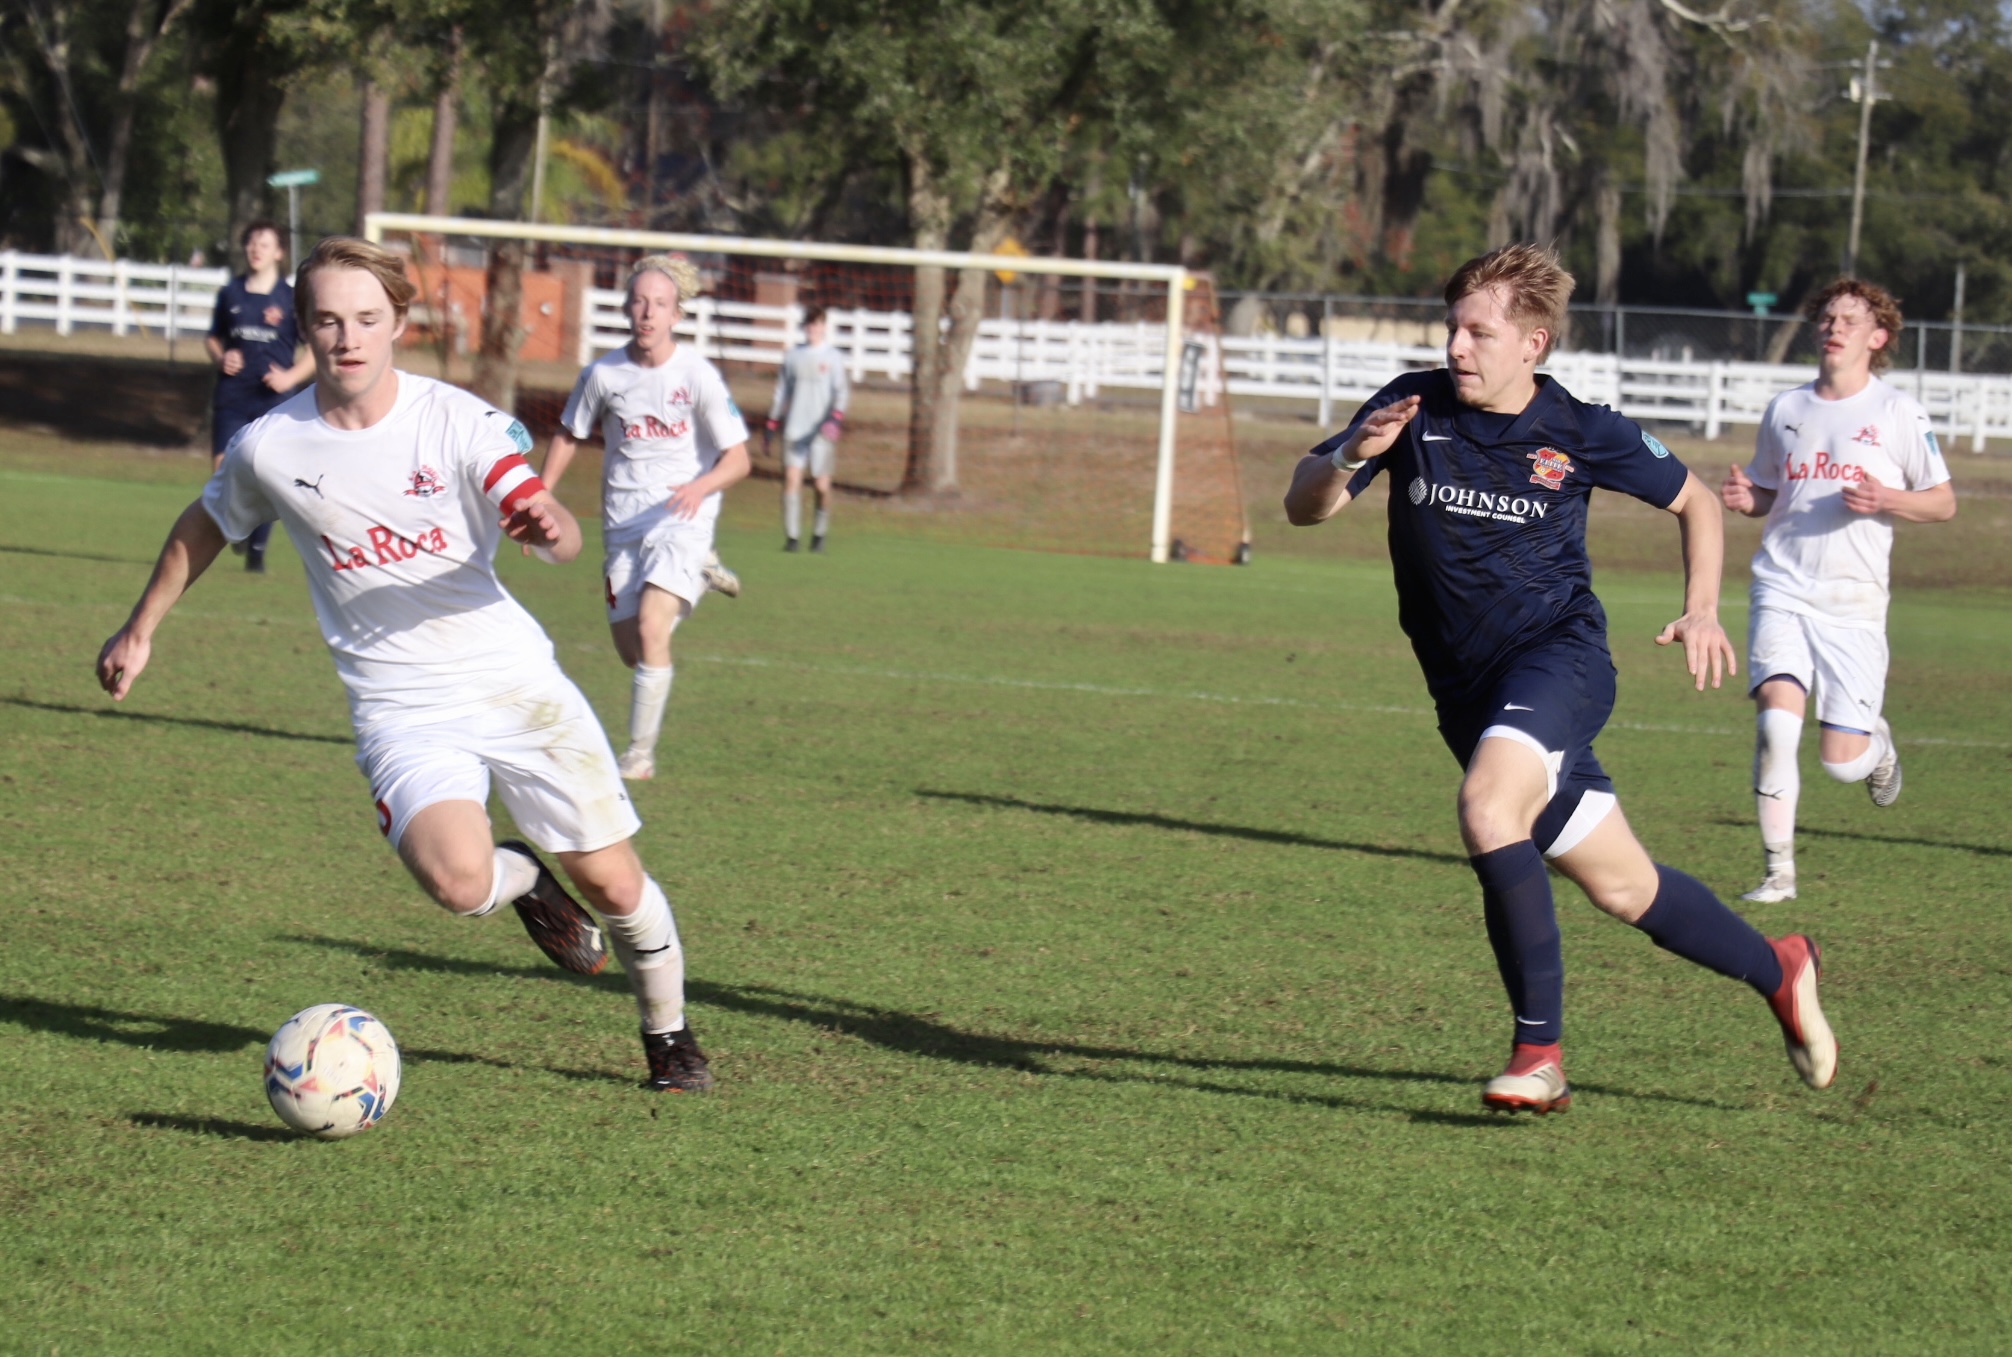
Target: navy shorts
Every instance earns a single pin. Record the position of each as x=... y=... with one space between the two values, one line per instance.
x=1555 y=699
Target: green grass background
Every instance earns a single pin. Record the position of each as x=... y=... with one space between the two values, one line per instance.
x=1087 y=958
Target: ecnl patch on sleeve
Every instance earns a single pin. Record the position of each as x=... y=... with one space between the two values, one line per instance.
x=521 y=436
x=1654 y=445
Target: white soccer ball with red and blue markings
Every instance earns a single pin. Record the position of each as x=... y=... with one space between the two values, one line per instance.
x=331 y=1071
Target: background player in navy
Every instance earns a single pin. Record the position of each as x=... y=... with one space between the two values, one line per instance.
x=255 y=345
x=1491 y=469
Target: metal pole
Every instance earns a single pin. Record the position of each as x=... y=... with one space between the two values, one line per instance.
x=1170 y=381
x=1866 y=95
x=1956 y=326
x=1326 y=365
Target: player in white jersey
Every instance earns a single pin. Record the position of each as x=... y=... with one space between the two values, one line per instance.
x=1837 y=460
x=396 y=490
x=673 y=441
x=811 y=396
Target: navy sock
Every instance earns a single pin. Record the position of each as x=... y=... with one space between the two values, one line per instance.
x=259 y=535
x=1689 y=920
x=1523 y=930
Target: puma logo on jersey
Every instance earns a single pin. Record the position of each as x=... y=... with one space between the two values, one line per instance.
x=1793 y=428
x=314 y=485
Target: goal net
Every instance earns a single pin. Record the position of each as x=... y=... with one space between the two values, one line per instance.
x=1065 y=415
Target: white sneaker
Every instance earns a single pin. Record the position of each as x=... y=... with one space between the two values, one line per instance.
x=721 y=580
x=1541 y=1090
x=637 y=765
x=1778 y=887
x=1884 y=781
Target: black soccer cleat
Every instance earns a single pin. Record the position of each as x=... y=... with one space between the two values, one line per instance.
x=677 y=1065
x=817 y=544
x=562 y=929
x=791 y=544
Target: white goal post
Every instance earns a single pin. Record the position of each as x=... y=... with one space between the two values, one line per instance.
x=1175 y=278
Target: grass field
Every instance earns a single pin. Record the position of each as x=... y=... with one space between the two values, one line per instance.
x=1087 y=957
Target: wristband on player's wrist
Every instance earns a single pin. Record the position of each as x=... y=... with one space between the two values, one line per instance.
x=1340 y=459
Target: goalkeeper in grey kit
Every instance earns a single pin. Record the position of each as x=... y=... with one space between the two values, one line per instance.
x=811 y=396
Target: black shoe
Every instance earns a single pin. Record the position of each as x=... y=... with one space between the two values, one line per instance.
x=563 y=931
x=790 y=544
x=255 y=561
x=677 y=1065
x=817 y=544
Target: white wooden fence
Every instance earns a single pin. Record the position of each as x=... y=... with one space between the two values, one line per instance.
x=118 y=295
x=1330 y=375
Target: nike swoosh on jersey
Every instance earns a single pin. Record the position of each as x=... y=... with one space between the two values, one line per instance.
x=1511 y=706
x=1437 y=437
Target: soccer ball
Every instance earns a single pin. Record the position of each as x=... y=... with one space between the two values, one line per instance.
x=331 y=1071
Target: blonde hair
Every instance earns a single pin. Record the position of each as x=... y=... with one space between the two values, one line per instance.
x=1885 y=308
x=347 y=252
x=1537 y=285
x=682 y=272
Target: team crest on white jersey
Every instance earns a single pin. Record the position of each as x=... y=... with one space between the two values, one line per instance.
x=426 y=483
x=1869 y=436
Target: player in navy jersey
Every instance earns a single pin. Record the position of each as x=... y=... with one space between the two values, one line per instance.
x=255 y=344
x=1491 y=467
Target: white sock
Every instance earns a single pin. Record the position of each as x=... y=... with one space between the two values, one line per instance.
x=647 y=943
x=822 y=523
x=512 y=874
x=792 y=514
x=648 y=693
x=1777 y=784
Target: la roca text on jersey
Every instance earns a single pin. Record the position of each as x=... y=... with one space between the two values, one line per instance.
x=390 y=547
x=1823 y=468
x=649 y=426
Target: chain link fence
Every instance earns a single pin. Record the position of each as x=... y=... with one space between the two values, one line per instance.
x=1667 y=334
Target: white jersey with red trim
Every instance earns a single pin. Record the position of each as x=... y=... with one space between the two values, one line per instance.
x=661 y=427
x=1816 y=555
x=398 y=526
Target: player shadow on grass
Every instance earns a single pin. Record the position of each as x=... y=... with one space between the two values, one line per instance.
x=196 y=1036
x=1899 y=840
x=924 y=1035
x=231 y=727
x=1124 y=817
x=219 y=1127
x=7 y=548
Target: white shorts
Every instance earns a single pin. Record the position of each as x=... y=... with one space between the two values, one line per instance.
x=1842 y=667
x=551 y=762
x=814 y=452
x=673 y=557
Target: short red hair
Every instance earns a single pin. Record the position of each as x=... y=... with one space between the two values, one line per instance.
x=1535 y=285
x=1885 y=308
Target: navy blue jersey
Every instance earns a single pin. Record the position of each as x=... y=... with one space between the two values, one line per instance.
x=261 y=326
x=1488 y=520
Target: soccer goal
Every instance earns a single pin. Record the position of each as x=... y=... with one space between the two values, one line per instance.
x=1064 y=405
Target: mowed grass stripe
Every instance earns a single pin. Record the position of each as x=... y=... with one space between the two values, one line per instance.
x=1047 y=1019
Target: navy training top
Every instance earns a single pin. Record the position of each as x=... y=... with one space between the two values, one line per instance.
x=1488 y=520
x=261 y=325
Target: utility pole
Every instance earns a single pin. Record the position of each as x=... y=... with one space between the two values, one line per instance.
x=1956 y=329
x=1864 y=89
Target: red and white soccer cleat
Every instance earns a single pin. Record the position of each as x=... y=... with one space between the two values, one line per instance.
x=1534 y=1082
x=1812 y=1048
